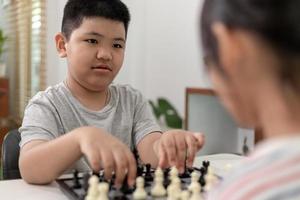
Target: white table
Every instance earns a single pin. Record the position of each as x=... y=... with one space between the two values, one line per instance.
x=19 y=190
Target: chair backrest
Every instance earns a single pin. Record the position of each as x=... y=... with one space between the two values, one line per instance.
x=10 y=155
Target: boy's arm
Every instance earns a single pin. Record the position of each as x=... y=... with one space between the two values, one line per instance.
x=146 y=150
x=172 y=148
x=41 y=162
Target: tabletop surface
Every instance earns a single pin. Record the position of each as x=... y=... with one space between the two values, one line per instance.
x=20 y=190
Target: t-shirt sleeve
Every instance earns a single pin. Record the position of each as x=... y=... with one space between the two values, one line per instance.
x=39 y=123
x=144 y=120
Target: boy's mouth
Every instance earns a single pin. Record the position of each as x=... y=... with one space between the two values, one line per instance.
x=102 y=67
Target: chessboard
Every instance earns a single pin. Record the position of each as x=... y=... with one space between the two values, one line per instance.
x=150 y=184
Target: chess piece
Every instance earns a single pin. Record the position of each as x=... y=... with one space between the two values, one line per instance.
x=173 y=173
x=76 y=183
x=93 y=191
x=140 y=193
x=158 y=189
x=196 y=195
x=185 y=195
x=148 y=176
x=210 y=179
x=177 y=187
x=85 y=178
x=174 y=189
x=194 y=180
x=171 y=194
x=202 y=181
x=205 y=165
x=103 y=191
x=158 y=172
x=139 y=170
x=245 y=147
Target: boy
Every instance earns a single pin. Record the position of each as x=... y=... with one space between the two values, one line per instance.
x=85 y=122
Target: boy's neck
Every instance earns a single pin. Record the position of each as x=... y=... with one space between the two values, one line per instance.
x=90 y=99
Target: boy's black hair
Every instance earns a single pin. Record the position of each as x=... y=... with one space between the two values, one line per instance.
x=275 y=21
x=76 y=10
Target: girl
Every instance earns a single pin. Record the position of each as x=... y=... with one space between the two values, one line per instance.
x=252 y=53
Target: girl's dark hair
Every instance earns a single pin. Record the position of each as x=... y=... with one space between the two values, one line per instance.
x=76 y=10
x=275 y=21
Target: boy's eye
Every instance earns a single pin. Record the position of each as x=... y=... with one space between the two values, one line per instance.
x=91 y=41
x=119 y=46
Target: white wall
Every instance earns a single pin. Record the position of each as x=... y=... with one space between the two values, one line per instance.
x=162 y=55
x=56 y=67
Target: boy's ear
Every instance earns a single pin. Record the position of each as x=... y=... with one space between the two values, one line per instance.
x=60 y=42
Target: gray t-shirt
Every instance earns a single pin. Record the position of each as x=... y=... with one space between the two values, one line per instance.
x=56 y=111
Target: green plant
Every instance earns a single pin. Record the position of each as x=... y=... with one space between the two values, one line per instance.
x=163 y=108
x=2 y=41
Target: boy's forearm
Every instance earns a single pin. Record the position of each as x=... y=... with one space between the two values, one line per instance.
x=45 y=161
x=146 y=149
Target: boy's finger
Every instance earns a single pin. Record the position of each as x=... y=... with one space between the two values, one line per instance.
x=180 y=153
x=162 y=157
x=94 y=159
x=200 y=140
x=108 y=164
x=170 y=148
x=121 y=167
x=191 y=150
x=131 y=174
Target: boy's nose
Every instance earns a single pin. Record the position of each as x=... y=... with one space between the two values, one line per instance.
x=104 y=53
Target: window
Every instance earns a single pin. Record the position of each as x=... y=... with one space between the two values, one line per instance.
x=25 y=28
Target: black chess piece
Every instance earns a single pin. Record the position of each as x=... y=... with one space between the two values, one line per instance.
x=86 y=177
x=96 y=174
x=205 y=164
x=76 y=183
x=125 y=188
x=203 y=171
x=148 y=174
x=140 y=170
x=119 y=195
x=166 y=177
x=187 y=173
x=202 y=181
x=245 y=147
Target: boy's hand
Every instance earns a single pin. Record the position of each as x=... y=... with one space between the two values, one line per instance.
x=177 y=147
x=105 y=151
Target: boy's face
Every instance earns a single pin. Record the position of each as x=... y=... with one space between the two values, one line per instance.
x=95 y=52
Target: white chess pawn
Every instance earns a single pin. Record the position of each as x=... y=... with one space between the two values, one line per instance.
x=173 y=173
x=158 y=189
x=177 y=187
x=194 y=180
x=171 y=194
x=158 y=172
x=103 y=191
x=196 y=195
x=210 y=179
x=93 y=191
x=174 y=189
x=185 y=195
x=140 y=193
